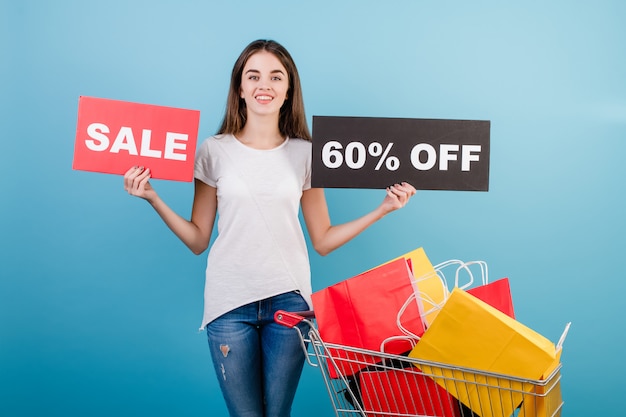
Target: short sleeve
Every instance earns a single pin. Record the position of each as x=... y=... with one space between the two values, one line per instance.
x=203 y=167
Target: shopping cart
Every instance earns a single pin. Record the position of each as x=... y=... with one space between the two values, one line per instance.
x=374 y=384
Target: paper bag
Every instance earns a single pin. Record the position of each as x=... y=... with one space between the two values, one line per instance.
x=431 y=290
x=497 y=294
x=469 y=333
x=362 y=312
x=546 y=399
x=404 y=392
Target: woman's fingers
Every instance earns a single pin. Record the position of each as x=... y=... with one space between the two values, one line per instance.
x=130 y=171
x=135 y=179
x=406 y=188
x=401 y=192
x=129 y=177
x=143 y=179
x=409 y=189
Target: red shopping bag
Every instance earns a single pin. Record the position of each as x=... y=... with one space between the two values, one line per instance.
x=405 y=392
x=497 y=294
x=362 y=312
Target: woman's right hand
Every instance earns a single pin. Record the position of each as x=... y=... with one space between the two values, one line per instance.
x=136 y=182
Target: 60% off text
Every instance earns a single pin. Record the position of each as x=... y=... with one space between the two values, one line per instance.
x=423 y=156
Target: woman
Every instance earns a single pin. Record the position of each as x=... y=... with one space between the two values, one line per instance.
x=256 y=174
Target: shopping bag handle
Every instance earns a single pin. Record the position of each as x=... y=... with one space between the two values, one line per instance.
x=484 y=272
x=438 y=272
x=559 y=345
x=463 y=266
x=428 y=303
x=406 y=334
x=440 y=267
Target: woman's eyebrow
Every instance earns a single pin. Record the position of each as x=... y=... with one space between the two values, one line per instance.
x=276 y=71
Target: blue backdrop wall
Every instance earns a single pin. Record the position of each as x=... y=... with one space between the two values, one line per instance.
x=100 y=303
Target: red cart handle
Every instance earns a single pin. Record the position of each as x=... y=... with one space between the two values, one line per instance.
x=291 y=319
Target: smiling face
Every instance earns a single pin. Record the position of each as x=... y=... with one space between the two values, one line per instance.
x=264 y=84
x=291 y=116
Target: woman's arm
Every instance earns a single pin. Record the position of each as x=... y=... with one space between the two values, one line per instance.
x=194 y=233
x=326 y=237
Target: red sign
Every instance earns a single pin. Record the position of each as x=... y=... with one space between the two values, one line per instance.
x=113 y=135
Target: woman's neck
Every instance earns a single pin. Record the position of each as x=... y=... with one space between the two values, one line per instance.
x=260 y=134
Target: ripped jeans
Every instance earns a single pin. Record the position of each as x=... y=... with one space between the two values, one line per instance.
x=258 y=362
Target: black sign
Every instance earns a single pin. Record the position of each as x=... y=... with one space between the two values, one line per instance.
x=373 y=152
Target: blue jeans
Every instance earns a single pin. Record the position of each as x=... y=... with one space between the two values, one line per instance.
x=258 y=362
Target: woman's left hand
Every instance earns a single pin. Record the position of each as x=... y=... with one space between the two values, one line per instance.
x=398 y=195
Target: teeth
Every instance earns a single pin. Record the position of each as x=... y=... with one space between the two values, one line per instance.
x=264 y=97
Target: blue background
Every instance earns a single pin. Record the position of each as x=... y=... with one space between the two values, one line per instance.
x=100 y=303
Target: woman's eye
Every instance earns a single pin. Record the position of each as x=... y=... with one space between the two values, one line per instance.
x=276 y=78
x=253 y=77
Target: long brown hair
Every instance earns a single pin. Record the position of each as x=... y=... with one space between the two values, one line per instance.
x=292 y=119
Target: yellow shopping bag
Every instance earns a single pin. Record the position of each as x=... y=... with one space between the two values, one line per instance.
x=430 y=288
x=469 y=333
x=545 y=400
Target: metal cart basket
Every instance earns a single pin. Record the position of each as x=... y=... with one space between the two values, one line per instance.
x=374 y=384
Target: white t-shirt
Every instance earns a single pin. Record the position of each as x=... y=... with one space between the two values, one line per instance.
x=260 y=250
